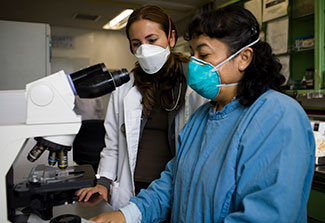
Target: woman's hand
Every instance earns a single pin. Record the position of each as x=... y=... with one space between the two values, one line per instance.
x=109 y=217
x=85 y=193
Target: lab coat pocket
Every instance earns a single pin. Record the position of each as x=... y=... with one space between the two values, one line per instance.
x=114 y=194
x=120 y=196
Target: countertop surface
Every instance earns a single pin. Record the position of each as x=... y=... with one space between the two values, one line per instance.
x=319 y=179
x=94 y=207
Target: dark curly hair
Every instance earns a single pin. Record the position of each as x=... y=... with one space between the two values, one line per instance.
x=237 y=27
x=169 y=75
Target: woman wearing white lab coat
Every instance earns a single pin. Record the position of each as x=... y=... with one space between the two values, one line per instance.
x=122 y=125
x=144 y=115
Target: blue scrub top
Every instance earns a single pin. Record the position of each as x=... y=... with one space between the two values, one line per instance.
x=242 y=164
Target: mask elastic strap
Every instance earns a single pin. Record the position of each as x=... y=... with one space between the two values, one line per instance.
x=226 y=85
x=232 y=56
x=235 y=54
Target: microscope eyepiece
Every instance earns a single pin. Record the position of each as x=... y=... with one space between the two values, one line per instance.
x=120 y=76
x=96 y=81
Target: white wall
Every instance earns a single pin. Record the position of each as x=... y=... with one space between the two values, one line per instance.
x=110 y=47
x=24 y=53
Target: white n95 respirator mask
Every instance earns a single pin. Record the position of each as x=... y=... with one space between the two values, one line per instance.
x=151 y=57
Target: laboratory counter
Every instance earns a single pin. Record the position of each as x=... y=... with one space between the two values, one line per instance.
x=316 y=203
x=85 y=211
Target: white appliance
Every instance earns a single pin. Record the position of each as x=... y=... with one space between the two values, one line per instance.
x=49 y=106
x=24 y=53
x=46 y=111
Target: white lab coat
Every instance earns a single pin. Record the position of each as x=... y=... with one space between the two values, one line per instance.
x=118 y=158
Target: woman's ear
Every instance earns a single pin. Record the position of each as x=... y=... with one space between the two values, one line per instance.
x=246 y=57
x=172 y=40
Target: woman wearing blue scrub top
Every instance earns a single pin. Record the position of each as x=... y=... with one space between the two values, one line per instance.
x=248 y=155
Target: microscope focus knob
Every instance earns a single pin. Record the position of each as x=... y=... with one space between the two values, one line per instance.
x=36 y=204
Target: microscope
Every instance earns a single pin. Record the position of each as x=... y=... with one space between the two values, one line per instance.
x=49 y=118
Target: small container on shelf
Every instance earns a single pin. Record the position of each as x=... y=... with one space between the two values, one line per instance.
x=304 y=42
x=309 y=75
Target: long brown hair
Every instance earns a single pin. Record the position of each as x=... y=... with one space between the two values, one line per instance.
x=169 y=75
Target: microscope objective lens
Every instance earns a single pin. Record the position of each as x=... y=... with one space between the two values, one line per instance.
x=62 y=159
x=52 y=158
x=35 y=153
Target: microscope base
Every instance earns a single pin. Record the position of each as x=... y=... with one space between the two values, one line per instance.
x=48 y=187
